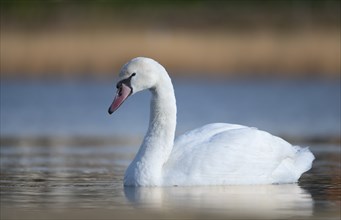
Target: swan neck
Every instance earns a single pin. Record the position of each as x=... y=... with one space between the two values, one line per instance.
x=162 y=112
x=162 y=122
x=158 y=142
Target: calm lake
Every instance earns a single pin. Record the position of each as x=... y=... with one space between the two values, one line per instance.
x=64 y=157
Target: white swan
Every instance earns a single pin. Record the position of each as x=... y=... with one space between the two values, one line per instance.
x=215 y=154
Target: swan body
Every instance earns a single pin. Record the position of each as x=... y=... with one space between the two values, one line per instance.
x=215 y=154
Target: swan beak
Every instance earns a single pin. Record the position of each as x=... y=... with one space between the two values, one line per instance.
x=123 y=92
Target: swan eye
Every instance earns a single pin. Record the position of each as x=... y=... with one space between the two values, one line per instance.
x=119 y=85
x=125 y=81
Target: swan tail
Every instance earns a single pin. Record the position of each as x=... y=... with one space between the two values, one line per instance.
x=303 y=161
x=291 y=168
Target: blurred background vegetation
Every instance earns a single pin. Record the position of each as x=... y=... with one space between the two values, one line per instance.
x=93 y=38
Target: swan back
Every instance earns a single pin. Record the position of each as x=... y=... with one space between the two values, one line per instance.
x=220 y=154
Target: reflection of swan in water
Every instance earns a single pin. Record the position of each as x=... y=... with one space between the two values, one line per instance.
x=257 y=201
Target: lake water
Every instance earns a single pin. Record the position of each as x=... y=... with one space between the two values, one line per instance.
x=63 y=156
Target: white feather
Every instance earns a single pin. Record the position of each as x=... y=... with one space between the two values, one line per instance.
x=215 y=154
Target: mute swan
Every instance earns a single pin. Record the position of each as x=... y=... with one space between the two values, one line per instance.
x=215 y=154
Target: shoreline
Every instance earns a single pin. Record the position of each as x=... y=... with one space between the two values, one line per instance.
x=130 y=140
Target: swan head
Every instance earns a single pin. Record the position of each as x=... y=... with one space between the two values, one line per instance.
x=138 y=74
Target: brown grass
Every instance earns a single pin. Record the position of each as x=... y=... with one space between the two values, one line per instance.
x=102 y=52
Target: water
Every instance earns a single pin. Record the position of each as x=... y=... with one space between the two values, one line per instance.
x=64 y=109
x=45 y=181
x=63 y=157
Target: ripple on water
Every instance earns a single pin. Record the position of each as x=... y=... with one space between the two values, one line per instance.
x=71 y=177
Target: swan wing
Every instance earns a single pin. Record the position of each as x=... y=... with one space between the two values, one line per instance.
x=221 y=153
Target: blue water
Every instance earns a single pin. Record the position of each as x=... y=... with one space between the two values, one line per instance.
x=298 y=108
x=52 y=176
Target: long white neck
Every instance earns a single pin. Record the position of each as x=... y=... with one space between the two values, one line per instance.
x=146 y=168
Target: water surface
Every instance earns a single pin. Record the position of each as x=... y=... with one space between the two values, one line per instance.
x=296 y=108
x=63 y=157
x=45 y=181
